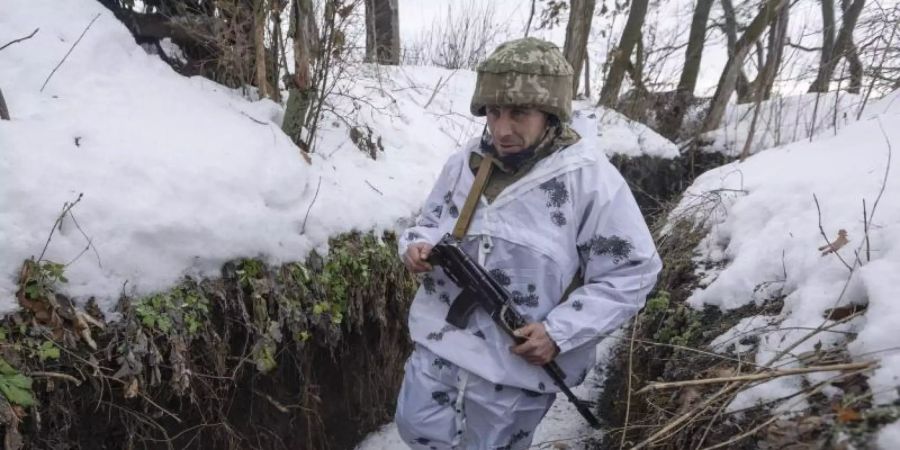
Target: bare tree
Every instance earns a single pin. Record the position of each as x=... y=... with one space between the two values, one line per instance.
x=671 y=123
x=728 y=79
x=766 y=77
x=530 y=18
x=822 y=79
x=774 y=53
x=459 y=39
x=261 y=10
x=300 y=86
x=621 y=56
x=577 y=31
x=742 y=85
x=382 y=32
x=843 y=47
x=696 y=41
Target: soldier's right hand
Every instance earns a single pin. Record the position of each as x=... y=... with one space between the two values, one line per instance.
x=416 y=257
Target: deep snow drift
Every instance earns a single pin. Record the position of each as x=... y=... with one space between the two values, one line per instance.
x=179 y=175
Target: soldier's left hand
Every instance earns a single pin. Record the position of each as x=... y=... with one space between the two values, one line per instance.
x=539 y=348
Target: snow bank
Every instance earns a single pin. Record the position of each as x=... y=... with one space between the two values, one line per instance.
x=617 y=134
x=179 y=175
x=782 y=120
x=764 y=240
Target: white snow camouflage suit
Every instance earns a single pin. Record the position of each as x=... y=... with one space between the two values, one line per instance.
x=571 y=211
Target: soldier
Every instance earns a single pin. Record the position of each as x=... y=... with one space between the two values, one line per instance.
x=556 y=225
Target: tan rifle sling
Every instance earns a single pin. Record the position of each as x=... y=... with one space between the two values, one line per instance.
x=465 y=216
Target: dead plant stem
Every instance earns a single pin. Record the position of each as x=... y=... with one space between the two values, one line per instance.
x=757 y=376
x=88 y=27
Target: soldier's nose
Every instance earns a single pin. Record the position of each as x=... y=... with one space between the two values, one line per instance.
x=502 y=128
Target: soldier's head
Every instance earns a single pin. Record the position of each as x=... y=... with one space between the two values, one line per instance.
x=523 y=87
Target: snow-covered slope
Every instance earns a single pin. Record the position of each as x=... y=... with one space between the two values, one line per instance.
x=179 y=175
x=783 y=120
x=765 y=240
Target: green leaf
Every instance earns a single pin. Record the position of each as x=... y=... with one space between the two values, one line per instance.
x=19 y=395
x=18 y=380
x=48 y=350
x=6 y=369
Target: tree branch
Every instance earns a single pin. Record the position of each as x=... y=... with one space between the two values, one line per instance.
x=14 y=41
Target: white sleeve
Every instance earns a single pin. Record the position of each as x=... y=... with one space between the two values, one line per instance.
x=620 y=265
x=438 y=203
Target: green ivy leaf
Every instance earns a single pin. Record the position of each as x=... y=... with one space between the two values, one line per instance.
x=48 y=350
x=17 y=389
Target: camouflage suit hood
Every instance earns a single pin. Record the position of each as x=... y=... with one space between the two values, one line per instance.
x=527 y=72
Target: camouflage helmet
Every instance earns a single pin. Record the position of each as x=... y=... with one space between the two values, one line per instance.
x=526 y=71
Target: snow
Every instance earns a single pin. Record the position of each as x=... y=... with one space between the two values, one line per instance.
x=888 y=436
x=764 y=237
x=180 y=175
x=618 y=134
x=783 y=120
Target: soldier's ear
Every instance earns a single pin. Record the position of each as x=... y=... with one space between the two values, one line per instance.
x=552 y=120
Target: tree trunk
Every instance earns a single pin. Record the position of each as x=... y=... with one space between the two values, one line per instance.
x=777 y=34
x=843 y=45
x=382 y=32
x=587 y=77
x=4 y=111
x=577 y=31
x=674 y=115
x=622 y=53
x=301 y=91
x=530 y=17
x=852 y=54
x=742 y=85
x=821 y=82
x=729 y=75
x=696 y=41
x=777 y=38
x=260 y=16
x=856 y=69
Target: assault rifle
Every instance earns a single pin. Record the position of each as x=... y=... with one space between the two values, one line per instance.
x=479 y=288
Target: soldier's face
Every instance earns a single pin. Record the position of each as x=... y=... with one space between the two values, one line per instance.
x=515 y=128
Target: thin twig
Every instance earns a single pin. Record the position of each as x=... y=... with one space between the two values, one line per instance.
x=14 y=41
x=303 y=228
x=144 y=419
x=866 y=231
x=253 y=118
x=272 y=401
x=745 y=434
x=70 y=51
x=58 y=223
x=834 y=251
x=887 y=170
x=63 y=376
x=373 y=187
x=684 y=417
x=437 y=87
x=634 y=328
x=756 y=376
x=90 y=243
